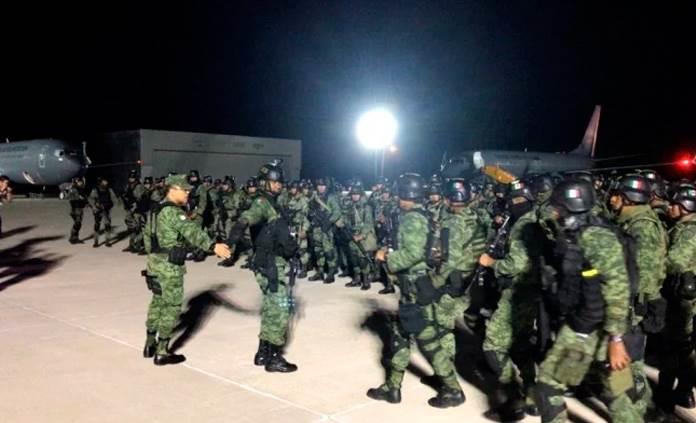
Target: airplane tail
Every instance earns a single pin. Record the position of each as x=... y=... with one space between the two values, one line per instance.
x=589 y=140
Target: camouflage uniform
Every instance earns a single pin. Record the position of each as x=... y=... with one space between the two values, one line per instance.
x=575 y=355
x=511 y=327
x=360 y=222
x=641 y=222
x=171 y=229
x=102 y=201
x=323 y=230
x=298 y=210
x=436 y=338
x=228 y=210
x=133 y=196
x=78 y=201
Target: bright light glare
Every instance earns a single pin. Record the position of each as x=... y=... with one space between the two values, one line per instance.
x=376 y=129
x=393 y=149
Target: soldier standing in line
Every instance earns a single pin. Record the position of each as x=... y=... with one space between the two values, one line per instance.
x=77 y=195
x=102 y=199
x=132 y=194
x=361 y=227
x=167 y=233
x=5 y=194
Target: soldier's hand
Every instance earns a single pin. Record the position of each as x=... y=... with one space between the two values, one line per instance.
x=618 y=356
x=381 y=255
x=358 y=238
x=222 y=250
x=339 y=223
x=486 y=261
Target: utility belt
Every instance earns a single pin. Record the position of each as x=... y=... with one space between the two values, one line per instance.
x=152 y=283
x=175 y=255
x=425 y=291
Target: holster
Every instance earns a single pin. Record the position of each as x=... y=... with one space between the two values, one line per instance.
x=177 y=256
x=152 y=283
x=411 y=318
x=426 y=291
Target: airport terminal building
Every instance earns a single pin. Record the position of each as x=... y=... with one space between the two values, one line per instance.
x=156 y=153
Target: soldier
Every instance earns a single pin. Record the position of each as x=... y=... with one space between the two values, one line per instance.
x=435 y=205
x=77 y=195
x=361 y=228
x=102 y=199
x=629 y=201
x=421 y=314
x=386 y=227
x=680 y=290
x=298 y=212
x=158 y=192
x=208 y=189
x=167 y=233
x=273 y=248
x=132 y=194
x=5 y=194
x=513 y=322
x=592 y=297
x=325 y=213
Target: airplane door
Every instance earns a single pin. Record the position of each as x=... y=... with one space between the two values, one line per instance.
x=42 y=159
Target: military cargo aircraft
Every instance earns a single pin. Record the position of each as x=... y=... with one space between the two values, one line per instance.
x=42 y=161
x=505 y=166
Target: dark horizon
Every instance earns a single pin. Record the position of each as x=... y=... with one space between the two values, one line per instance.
x=459 y=75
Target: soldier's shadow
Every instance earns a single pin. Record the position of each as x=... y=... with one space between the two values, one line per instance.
x=17 y=231
x=199 y=310
x=25 y=261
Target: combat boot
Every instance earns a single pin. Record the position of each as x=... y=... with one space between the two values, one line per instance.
x=388 y=288
x=354 y=282
x=508 y=404
x=261 y=353
x=150 y=344
x=330 y=276
x=228 y=262
x=365 y=285
x=95 y=244
x=163 y=356
x=316 y=277
x=384 y=393
x=275 y=361
x=344 y=273
x=74 y=240
x=447 y=397
x=128 y=249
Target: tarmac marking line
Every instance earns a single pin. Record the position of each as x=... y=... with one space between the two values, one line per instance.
x=323 y=417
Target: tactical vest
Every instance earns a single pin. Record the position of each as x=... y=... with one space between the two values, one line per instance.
x=80 y=202
x=104 y=198
x=155 y=247
x=433 y=247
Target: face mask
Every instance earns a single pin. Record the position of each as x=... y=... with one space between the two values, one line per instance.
x=518 y=210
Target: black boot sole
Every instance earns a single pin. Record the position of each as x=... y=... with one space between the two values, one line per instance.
x=149 y=352
x=273 y=369
x=168 y=359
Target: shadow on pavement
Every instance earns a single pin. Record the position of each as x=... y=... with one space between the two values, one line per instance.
x=17 y=231
x=198 y=311
x=25 y=261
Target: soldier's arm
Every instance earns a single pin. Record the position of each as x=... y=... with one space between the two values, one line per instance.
x=605 y=254
x=202 y=201
x=517 y=260
x=258 y=212
x=335 y=209
x=650 y=256
x=412 y=250
x=92 y=200
x=175 y=218
x=682 y=252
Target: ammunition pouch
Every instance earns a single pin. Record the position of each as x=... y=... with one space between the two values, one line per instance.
x=152 y=283
x=684 y=286
x=426 y=292
x=456 y=285
x=635 y=345
x=411 y=318
x=655 y=315
x=177 y=256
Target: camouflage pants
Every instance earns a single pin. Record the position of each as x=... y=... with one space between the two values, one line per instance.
x=573 y=358
x=164 y=310
x=510 y=328
x=105 y=215
x=324 y=249
x=677 y=357
x=304 y=252
x=76 y=213
x=359 y=262
x=135 y=222
x=436 y=342
x=275 y=307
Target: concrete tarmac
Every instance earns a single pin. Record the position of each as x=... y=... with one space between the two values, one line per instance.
x=72 y=331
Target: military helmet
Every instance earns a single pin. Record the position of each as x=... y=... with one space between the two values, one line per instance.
x=636 y=188
x=457 y=190
x=194 y=172
x=410 y=186
x=77 y=179
x=574 y=195
x=387 y=189
x=499 y=189
x=519 y=188
x=132 y=174
x=542 y=184
x=685 y=196
x=650 y=174
x=357 y=189
x=272 y=171
x=294 y=184
x=434 y=188
x=320 y=181
x=252 y=183
x=582 y=175
x=147 y=180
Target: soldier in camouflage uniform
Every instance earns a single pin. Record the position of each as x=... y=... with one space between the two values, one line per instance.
x=102 y=199
x=158 y=192
x=593 y=297
x=343 y=252
x=435 y=205
x=5 y=194
x=513 y=322
x=425 y=312
x=298 y=212
x=77 y=195
x=629 y=201
x=325 y=214
x=166 y=233
x=273 y=248
x=132 y=194
x=677 y=355
x=361 y=227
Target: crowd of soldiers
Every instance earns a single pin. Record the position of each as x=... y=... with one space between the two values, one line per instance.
x=568 y=280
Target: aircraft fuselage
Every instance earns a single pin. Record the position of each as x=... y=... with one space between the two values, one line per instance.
x=40 y=162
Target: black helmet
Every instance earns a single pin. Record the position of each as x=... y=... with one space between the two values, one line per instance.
x=457 y=190
x=321 y=181
x=357 y=189
x=147 y=180
x=635 y=188
x=294 y=184
x=434 y=188
x=542 y=184
x=582 y=176
x=499 y=189
x=519 y=188
x=132 y=174
x=272 y=171
x=252 y=183
x=160 y=180
x=410 y=186
x=194 y=173
x=208 y=179
x=77 y=179
x=387 y=189
x=650 y=175
x=574 y=195
x=685 y=196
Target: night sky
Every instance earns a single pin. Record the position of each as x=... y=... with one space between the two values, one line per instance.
x=458 y=74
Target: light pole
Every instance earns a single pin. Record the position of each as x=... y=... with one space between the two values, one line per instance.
x=376 y=130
